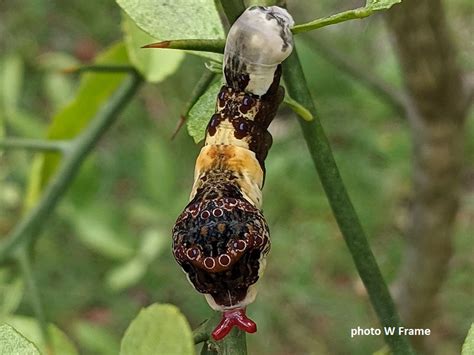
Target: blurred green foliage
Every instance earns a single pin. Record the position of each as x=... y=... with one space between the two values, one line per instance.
x=106 y=254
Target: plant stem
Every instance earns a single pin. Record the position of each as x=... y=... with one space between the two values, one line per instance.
x=362 y=75
x=342 y=207
x=98 y=68
x=30 y=225
x=358 y=13
x=232 y=9
x=34 y=296
x=35 y=144
x=199 y=89
x=202 y=332
x=233 y=344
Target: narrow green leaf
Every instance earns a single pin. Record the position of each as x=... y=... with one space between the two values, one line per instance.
x=11 y=292
x=94 y=90
x=178 y=19
x=95 y=339
x=381 y=4
x=468 y=346
x=132 y=271
x=126 y=275
x=158 y=329
x=202 y=111
x=30 y=329
x=13 y=343
x=11 y=79
x=10 y=86
x=152 y=243
x=58 y=87
x=96 y=232
x=154 y=65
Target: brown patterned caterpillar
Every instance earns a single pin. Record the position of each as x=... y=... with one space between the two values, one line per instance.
x=221 y=239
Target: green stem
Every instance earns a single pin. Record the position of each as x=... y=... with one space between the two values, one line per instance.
x=35 y=144
x=358 y=13
x=202 y=85
x=98 y=68
x=30 y=225
x=34 y=296
x=232 y=9
x=202 y=332
x=233 y=344
x=342 y=207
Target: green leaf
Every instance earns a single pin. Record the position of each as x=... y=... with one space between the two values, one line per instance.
x=129 y=273
x=95 y=339
x=154 y=65
x=96 y=232
x=30 y=329
x=11 y=292
x=152 y=243
x=126 y=275
x=94 y=90
x=11 y=81
x=13 y=343
x=58 y=87
x=468 y=346
x=158 y=329
x=178 y=19
x=381 y=4
x=202 y=111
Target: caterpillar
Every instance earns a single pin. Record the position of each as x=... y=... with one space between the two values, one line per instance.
x=221 y=239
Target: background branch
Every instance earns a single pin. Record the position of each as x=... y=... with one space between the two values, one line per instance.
x=24 y=263
x=34 y=144
x=342 y=207
x=29 y=227
x=395 y=98
x=433 y=78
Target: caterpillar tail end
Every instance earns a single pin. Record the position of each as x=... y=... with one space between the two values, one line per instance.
x=237 y=318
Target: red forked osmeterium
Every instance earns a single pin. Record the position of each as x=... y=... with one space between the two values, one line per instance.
x=236 y=317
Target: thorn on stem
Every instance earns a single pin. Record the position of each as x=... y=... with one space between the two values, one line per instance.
x=180 y=124
x=163 y=44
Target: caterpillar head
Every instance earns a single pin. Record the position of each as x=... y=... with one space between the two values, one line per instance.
x=257 y=43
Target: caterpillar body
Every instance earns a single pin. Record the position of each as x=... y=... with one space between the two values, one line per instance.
x=221 y=238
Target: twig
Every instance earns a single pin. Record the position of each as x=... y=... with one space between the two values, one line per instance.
x=342 y=207
x=354 y=14
x=202 y=332
x=28 y=228
x=199 y=89
x=98 y=68
x=396 y=98
x=34 y=296
x=35 y=144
